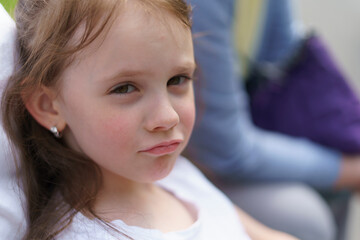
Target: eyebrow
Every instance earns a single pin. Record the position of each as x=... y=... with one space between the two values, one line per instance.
x=188 y=67
x=123 y=74
x=129 y=73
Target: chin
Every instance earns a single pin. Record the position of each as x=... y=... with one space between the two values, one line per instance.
x=163 y=167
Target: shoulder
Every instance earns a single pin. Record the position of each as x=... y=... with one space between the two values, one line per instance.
x=89 y=229
x=83 y=228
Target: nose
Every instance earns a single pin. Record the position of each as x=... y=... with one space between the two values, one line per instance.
x=162 y=116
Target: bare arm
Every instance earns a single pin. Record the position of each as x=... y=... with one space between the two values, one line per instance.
x=258 y=231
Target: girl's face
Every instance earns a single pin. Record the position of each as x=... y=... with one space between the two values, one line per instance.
x=127 y=99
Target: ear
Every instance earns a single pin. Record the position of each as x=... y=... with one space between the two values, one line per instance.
x=42 y=106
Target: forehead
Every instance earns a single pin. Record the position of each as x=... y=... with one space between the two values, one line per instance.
x=135 y=34
x=134 y=16
x=130 y=16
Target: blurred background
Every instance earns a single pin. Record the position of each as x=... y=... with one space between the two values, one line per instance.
x=338 y=22
x=9 y=5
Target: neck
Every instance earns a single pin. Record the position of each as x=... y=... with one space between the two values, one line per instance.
x=119 y=198
x=142 y=204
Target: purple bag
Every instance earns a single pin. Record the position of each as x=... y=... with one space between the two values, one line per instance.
x=312 y=99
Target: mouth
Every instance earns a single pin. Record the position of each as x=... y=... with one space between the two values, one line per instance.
x=163 y=148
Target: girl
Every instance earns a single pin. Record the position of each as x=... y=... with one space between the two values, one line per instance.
x=98 y=111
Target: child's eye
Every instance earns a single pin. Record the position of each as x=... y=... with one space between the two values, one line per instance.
x=123 y=89
x=177 y=80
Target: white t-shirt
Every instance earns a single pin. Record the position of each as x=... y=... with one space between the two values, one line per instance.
x=216 y=216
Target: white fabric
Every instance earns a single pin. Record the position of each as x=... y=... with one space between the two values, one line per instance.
x=7 y=45
x=217 y=218
x=12 y=220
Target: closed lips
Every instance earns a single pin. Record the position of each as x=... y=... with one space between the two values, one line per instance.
x=163 y=148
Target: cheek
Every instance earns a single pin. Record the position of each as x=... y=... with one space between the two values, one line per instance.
x=118 y=128
x=96 y=130
x=108 y=139
x=187 y=115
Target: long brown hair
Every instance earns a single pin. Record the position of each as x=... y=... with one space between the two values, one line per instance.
x=57 y=181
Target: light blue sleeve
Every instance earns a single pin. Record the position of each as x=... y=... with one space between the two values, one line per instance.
x=282 y=31
x=224 y=139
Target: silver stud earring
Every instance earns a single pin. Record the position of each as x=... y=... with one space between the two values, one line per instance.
x=55 y=131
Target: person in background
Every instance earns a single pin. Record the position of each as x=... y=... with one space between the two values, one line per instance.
x=272 y=176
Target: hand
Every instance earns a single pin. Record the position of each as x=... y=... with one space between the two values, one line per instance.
x=349 y=176
x=258 y=231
